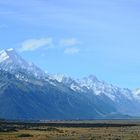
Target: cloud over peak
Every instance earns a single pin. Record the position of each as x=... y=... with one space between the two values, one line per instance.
x=34 y=44
x=69 y=45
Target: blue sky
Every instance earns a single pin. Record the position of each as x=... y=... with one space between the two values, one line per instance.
x=78 y=38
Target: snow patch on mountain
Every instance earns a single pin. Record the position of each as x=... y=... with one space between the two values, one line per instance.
x=11 y=61
x=136 y=94
x=93 y=85
x=3 y=56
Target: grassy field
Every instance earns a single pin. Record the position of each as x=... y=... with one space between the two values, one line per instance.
x=78 y=130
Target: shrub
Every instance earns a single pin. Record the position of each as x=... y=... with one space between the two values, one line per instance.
x=24 y=135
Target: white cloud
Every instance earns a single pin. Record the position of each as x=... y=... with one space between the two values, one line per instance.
x=70 y=45
x=69 y=42
x=34 y=44
x=72 y=50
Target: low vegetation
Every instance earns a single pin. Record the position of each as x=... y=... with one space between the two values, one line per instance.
x=24 y=135
x=91 y=130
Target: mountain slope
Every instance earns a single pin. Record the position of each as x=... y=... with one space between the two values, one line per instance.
x=27 y=92
x=125 y=100
x=41 y=100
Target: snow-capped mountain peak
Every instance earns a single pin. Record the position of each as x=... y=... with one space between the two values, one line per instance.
x=10 y=56
x=58 y=77
x=11 y=61
x=92 y=78
x=3 y=55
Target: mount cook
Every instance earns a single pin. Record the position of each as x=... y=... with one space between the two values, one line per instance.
x=27 y=92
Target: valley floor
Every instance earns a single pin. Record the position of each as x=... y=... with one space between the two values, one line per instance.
x=87 y=130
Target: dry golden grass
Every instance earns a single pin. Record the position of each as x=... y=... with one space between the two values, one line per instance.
x=74 y=133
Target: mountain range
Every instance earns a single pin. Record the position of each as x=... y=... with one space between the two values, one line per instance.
x=27 y=92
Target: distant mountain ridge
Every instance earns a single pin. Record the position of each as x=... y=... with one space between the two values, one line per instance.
x=124 y=99
x=27 y=92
